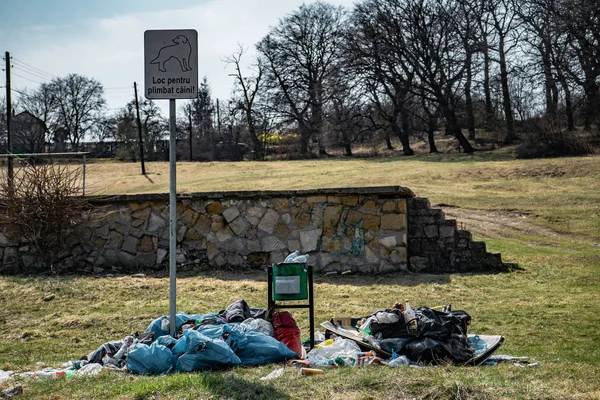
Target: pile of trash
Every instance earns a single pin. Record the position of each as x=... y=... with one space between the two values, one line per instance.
x=237 y=335
x=402 y=336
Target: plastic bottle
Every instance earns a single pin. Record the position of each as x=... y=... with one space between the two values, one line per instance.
x=410 y=319
x=291 y=257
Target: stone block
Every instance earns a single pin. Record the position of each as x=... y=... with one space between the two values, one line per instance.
x=331 y=245
x=255 y=211
x=389 y=241
x=213 y=207
x=238 y=226
x=253 y=220
x=287 y=218
x=281 y=204
x=302 y=220
x=218 y=222
x=293 y=245
x=224 y=234
x=146 y=244
x=478 y=247
x=431 y=231
x=212 y=250
x=237 y=245
x=393 y=221
x=160 y=255
x=334 y=199
x=143 y=213
x=371 y=256
x=231 y=213
x=331 y=218
x=419 y=264
x=269 y=221
x=127 y=259
x=99 y=242
x=369 y=206
x=316 y=199
x=115 y=241
x=350 y=200
x=386 y=267
x=389 y=206
x=401 y=206
x=192 y=235
x=398 y=255
x=272 y=243
x=102 y=231
x=189 y=217
x=203 y=223
x=447 y=231
x=354 y=217
x=198 y=206
x=156 y=223
x=130 y=245
x=418 y=204
x=181 y=233
x=309 y=240
x=282 y=230
x=254 y=246
x=138 y=223
x=371 y=222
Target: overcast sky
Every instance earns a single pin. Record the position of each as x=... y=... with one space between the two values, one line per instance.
x=103 y=39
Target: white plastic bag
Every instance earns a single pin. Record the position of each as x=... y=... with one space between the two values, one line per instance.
x=346 y=349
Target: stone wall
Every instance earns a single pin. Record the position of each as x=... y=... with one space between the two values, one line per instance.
x=368 y=230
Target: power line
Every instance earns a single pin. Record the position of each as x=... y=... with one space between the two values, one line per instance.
x=31 y=80
x=31 y=73
x=34 y=68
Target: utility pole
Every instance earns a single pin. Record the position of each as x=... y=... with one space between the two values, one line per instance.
x=219 y=119
x=139 y=124
x=9 y=174
x=190 y=122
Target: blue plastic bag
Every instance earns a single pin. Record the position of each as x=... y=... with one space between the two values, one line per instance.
x=199 y=352
x=153 y=359
x=160 y=326
x=254 y=347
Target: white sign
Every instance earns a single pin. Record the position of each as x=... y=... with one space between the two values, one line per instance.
x=171 y=64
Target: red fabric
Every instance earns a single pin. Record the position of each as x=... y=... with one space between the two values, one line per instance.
x=287 y=331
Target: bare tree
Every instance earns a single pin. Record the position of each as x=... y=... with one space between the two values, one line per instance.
x=424 y=36
x=248 y=88
x=372 y=53
x=301 y=57
x=504 y=22
x=79 y=101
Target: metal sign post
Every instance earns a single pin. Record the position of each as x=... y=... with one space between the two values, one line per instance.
x=171 y=72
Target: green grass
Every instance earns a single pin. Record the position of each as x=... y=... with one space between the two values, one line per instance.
x=541 y=214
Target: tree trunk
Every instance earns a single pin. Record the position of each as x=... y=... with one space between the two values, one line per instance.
x=404 y=133
x=348 y=149
x=453 y=128
x=510 y=124
x=549 y=82
x=388 y=140
x=468 y=100
x=568 y=103
x=592 y=96
x=431 y=127
x=489 y=108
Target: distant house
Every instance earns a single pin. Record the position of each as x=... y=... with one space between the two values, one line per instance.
x=28 y=133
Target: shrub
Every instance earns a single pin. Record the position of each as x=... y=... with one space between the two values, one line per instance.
x=43 y=208
x=545 y=138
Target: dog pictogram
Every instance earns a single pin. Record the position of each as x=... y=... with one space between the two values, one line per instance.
x=181 y=51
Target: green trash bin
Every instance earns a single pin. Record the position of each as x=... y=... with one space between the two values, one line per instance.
x=290 y=281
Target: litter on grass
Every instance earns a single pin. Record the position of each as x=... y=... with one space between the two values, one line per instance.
x=241 y=335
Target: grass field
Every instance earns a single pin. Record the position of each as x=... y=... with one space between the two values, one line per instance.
x=542 y=214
